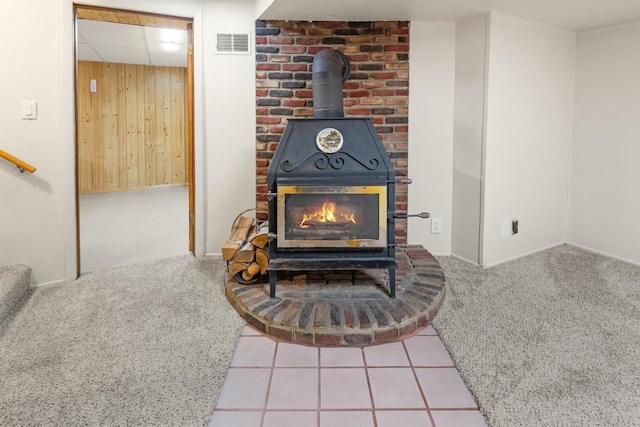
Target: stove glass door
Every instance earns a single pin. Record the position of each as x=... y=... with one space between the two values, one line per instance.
x=332 y=216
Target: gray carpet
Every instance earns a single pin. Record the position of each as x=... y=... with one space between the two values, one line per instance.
x=552 y=339
x=141 y=345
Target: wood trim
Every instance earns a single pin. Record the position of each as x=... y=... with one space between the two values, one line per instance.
x=75 y=137
x=151 y=187
x=190 y=112
x=104 y=14
x=21 y=164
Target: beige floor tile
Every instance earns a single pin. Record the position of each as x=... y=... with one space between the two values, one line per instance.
x=290 y=419
x=428 y=331
x=403 y=418
x=344 y=388
x=346 y=419
x=295 y=355
x=395 y=388
x=235 y=419
x=458 y=418
x=244 y=389
x=391 y=354
x=427 y=351
x=443 y=388
x=248 y=331
x=341 y=357
x=295 y=388
x=254 y=351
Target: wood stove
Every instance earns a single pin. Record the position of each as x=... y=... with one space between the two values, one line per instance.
x=331 y=187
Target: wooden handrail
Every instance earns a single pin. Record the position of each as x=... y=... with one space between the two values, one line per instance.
x=23 y=166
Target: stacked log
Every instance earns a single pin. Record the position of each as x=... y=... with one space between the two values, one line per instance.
x=245 y=253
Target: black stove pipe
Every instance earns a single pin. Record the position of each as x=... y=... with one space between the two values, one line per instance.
x=330 y=69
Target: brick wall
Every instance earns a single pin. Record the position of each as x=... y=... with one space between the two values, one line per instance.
x=377 y=88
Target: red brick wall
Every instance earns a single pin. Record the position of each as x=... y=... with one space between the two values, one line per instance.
x=377 y=88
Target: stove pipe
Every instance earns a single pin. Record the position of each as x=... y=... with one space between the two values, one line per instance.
x=330 y=69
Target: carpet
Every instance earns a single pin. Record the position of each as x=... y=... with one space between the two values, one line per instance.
x=549 y=339
x=148 y=344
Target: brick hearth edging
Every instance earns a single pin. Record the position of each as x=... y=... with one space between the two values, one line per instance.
x=341 y=308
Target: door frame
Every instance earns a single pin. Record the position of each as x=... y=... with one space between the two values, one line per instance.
x=196 y=143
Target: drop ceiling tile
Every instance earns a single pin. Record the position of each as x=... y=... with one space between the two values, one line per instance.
x=112 y=34
x=86 y=53
x=166 y=35
x=122 y=55
x=168 y=59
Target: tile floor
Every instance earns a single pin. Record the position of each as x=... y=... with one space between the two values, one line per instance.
x=407 y=383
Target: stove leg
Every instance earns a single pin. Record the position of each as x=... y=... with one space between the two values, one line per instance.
x=273 y=278
x=392 y=282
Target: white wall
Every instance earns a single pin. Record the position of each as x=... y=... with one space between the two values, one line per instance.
x=431 y=89
x=605 y=182
x=230 y=122
x=528 y=136
x=31 y=206
x=37 y=212
x=468 y=137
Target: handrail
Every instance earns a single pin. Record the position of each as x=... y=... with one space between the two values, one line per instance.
x=22 y=165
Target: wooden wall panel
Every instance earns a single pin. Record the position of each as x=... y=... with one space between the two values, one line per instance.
x=149 y=125
x=132 y=131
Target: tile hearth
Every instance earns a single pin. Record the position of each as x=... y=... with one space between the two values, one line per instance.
x=345 y=308
x=408 y=383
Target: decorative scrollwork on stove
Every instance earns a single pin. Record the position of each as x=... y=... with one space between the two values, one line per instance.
x=371 y=164
x=323 y=161
x=337 y=161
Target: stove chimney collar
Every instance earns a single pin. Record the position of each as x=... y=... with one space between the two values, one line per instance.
x=330 y=69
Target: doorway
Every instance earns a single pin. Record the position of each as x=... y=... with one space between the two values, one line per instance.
x=134 y=136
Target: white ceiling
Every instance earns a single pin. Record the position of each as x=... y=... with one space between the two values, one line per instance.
x=578 y=15
x=131 y=44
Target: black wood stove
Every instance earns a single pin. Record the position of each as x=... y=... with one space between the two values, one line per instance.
x=331 y=187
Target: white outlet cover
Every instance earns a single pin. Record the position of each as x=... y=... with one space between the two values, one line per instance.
x=436 y=225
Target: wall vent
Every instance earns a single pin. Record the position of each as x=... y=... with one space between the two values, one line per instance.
x=232 y=43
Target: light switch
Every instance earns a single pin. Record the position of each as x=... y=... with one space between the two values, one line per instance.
x=29 y=110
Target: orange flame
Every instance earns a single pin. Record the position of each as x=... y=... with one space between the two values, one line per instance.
x=328 y=213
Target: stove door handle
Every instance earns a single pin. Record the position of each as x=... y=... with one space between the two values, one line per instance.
x=423 y=215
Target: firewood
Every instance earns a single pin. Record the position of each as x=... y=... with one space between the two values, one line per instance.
x=260 y=236
x=246 y=253
x=251 y=271
x=242 y=226
x=262 y=258
x=236 y=267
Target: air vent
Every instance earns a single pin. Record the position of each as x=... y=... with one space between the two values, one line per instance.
x=233 y=43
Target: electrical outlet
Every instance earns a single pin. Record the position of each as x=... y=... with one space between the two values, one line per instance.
x=436 y=225
x=506 y=228
x=514 y=226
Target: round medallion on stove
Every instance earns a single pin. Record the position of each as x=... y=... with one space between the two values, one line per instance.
x=329 y=140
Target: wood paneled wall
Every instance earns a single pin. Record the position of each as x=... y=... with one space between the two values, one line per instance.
x=132 y=132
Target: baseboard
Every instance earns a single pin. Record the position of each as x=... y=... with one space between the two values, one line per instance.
x=605 y=254
x=440 y=253
x=213 y=255
x=523 y=255
x=465 y=260
x=53 y=282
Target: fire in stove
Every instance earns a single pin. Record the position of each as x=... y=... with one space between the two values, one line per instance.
x=317 y=216
x=328 y=216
